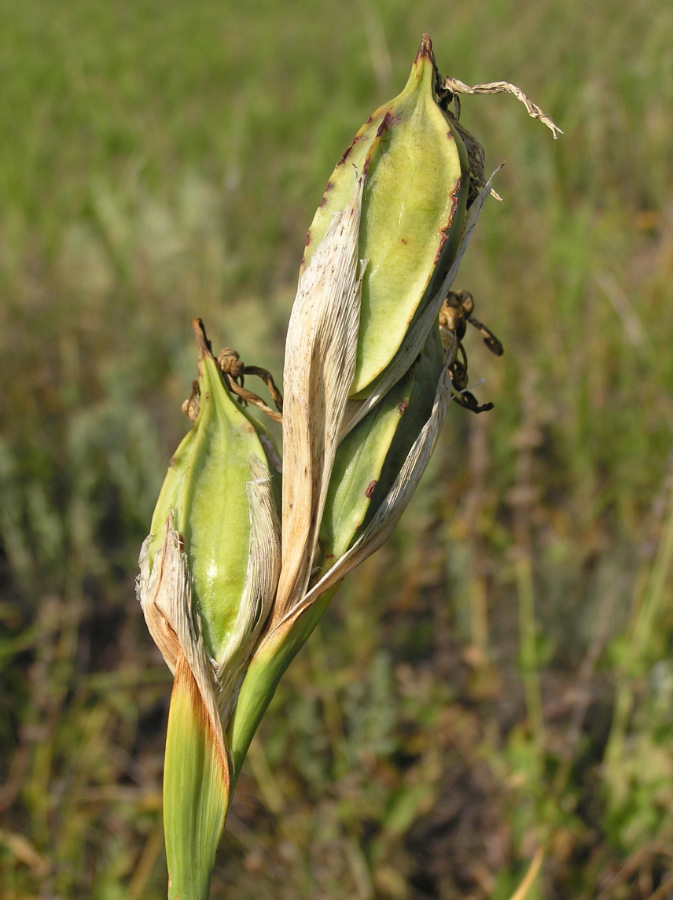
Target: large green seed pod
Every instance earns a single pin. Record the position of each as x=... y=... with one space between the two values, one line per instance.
x=207 y=493
x=416 y=173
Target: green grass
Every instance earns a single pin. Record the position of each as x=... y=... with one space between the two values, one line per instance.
x=500 y=675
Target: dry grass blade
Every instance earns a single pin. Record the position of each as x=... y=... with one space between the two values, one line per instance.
x=529 y=878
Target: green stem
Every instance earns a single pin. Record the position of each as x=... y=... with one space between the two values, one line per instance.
x=261 y=680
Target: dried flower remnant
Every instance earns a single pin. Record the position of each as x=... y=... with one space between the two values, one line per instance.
x=456 y=312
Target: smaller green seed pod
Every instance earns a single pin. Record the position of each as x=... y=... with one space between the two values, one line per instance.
x=427 y=371
x=370 y=457
x=207 y=491
x=357 y=470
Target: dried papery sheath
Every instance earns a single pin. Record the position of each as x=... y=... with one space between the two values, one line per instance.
x=165 y=595
x=319 y=364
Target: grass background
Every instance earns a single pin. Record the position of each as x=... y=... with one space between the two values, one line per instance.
x=496 y=680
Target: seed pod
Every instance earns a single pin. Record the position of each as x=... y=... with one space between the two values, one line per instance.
x=370 y=457
x=219 y=496
x=401 y=209
x=427 y=371
x=413 y=214
x=357 y=470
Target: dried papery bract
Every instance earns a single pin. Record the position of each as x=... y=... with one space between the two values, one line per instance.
x=319 y=365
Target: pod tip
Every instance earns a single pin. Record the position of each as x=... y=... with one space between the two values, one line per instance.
x=201 y=338
x=425 y=49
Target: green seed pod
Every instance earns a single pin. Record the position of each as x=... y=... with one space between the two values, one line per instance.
x=416 y=173
x=357 y=470
x=370 y=457
x=217 y=491
x=427 y=372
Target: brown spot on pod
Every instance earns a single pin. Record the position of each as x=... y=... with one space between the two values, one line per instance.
x=384 y=124
x=402 y=407
x=388 y=120
x=455 y=199
x=348 y=149
x=329 y=186
x=370 y=489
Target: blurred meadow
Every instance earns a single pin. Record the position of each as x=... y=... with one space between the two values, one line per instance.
x=496 y=685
